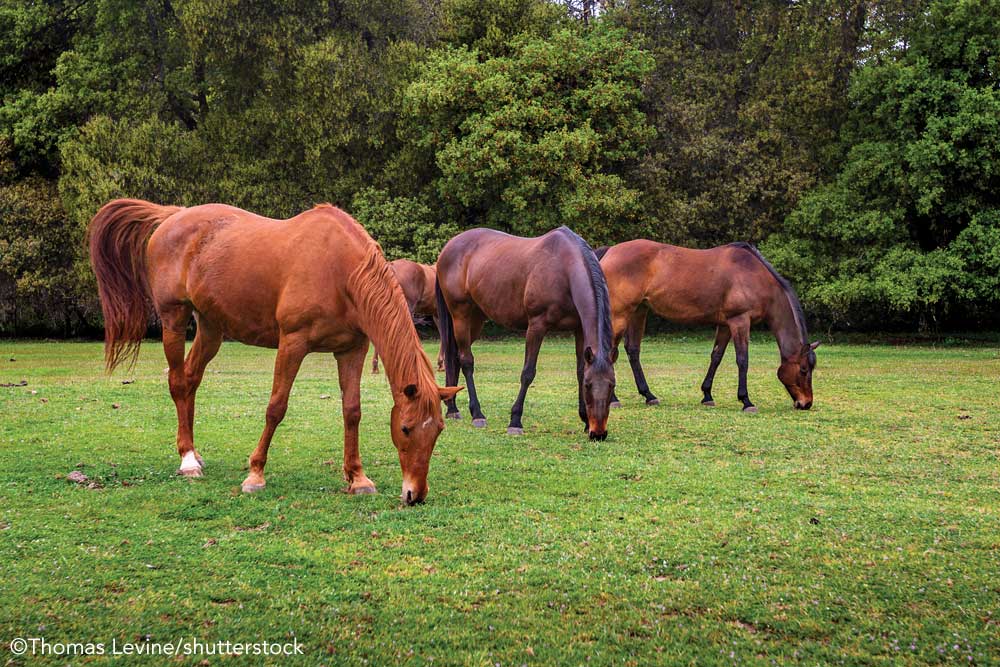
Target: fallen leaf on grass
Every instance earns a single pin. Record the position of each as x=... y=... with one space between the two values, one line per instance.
x=128 y=381
x=115 y=406
x=324 y=396
x=22 y=383
x=77 y=477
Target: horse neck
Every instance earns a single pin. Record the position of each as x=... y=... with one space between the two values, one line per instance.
x=402 y=355
x=386 y=320
x=586 y=300
x=783 y=323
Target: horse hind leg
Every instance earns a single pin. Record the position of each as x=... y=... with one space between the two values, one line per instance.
x=467 y=330
x=184 y=376
x=722 y=336
x=291 y=351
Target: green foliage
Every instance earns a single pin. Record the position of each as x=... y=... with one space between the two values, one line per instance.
x=909 y=226
x=42 y=286
x=404 y=226
x=858 y=141
x=537 y=139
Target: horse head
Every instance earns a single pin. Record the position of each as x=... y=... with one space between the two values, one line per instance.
x=416 y=424
x=795 y=372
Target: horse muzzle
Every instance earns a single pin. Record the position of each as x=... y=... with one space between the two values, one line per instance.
x=803 y=405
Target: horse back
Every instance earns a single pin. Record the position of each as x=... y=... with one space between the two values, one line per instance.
x=510 y=279
x=255 y=276
x=686 y=285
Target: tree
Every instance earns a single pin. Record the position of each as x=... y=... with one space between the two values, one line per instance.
x=910 y=226
x=537 y=139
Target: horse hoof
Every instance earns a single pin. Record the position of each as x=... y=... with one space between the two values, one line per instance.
x=252 y=487
x=453 y=415
x=479 y=423
x=708 y=404
x=361 y=490
x=653 y=401
x=515 y=430
x=751 y=410
x=190 y=472
x=615 y=404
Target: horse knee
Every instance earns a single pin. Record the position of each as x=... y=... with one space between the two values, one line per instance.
x=276 y=412
x=352 y=415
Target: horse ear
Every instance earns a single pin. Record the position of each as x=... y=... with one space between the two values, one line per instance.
x=588 y=355
x=813 y=346
x=410 y=390
x=614 y=355
x=448 y=393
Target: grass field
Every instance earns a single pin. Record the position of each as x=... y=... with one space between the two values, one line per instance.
x=865 y=531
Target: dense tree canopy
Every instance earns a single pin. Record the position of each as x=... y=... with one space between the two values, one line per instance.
x=857 y=141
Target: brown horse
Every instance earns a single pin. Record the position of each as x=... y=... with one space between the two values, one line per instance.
x=313 y=283
x=417 y=281
x=732 y=287
x=552 y=282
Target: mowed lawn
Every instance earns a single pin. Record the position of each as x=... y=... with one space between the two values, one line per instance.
x=865 y=531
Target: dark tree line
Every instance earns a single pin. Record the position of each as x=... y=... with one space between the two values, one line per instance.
x=856 y=141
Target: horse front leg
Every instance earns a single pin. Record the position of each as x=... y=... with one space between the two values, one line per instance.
x=740 y=330
x=633 y=341
x=722 y=336
x=349 y=369
x=581 y=402
x=291 y=351
x=533 y=342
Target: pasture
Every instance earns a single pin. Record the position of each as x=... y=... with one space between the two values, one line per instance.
x=865 y=531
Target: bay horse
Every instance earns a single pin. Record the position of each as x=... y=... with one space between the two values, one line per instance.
x=313 y=283
x=731 y=286
x=552 y=282
x=417 y=281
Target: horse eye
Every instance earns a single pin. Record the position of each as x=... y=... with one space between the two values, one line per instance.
x=406 y=430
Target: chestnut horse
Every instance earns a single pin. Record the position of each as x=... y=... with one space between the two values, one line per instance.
x=732 y=287
x=552 y=282
x=313 y=283
x=417 y=281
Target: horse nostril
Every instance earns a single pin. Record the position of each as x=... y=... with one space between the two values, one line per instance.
x=807 y=405
x=409 y=497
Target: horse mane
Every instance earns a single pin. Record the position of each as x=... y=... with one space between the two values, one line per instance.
x=599 y=285
x=379 y=299
x=793 y=299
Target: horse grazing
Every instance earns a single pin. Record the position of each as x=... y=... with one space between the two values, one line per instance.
x=314 y=283
x=552 y=282
x=417 y=281
x=732 y=287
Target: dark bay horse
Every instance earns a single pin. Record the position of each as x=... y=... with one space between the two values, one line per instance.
x=417 y=281
x=732 y=287
x=552 y=282
x=313 y=283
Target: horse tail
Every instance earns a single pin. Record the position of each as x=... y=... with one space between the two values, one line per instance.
x=446 y=329
x=602 y=251
x=117 y=237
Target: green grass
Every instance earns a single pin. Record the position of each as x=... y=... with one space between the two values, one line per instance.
x=866 y=531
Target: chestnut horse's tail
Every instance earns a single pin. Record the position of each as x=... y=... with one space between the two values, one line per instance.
x=117 y=237
x=446 y=329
